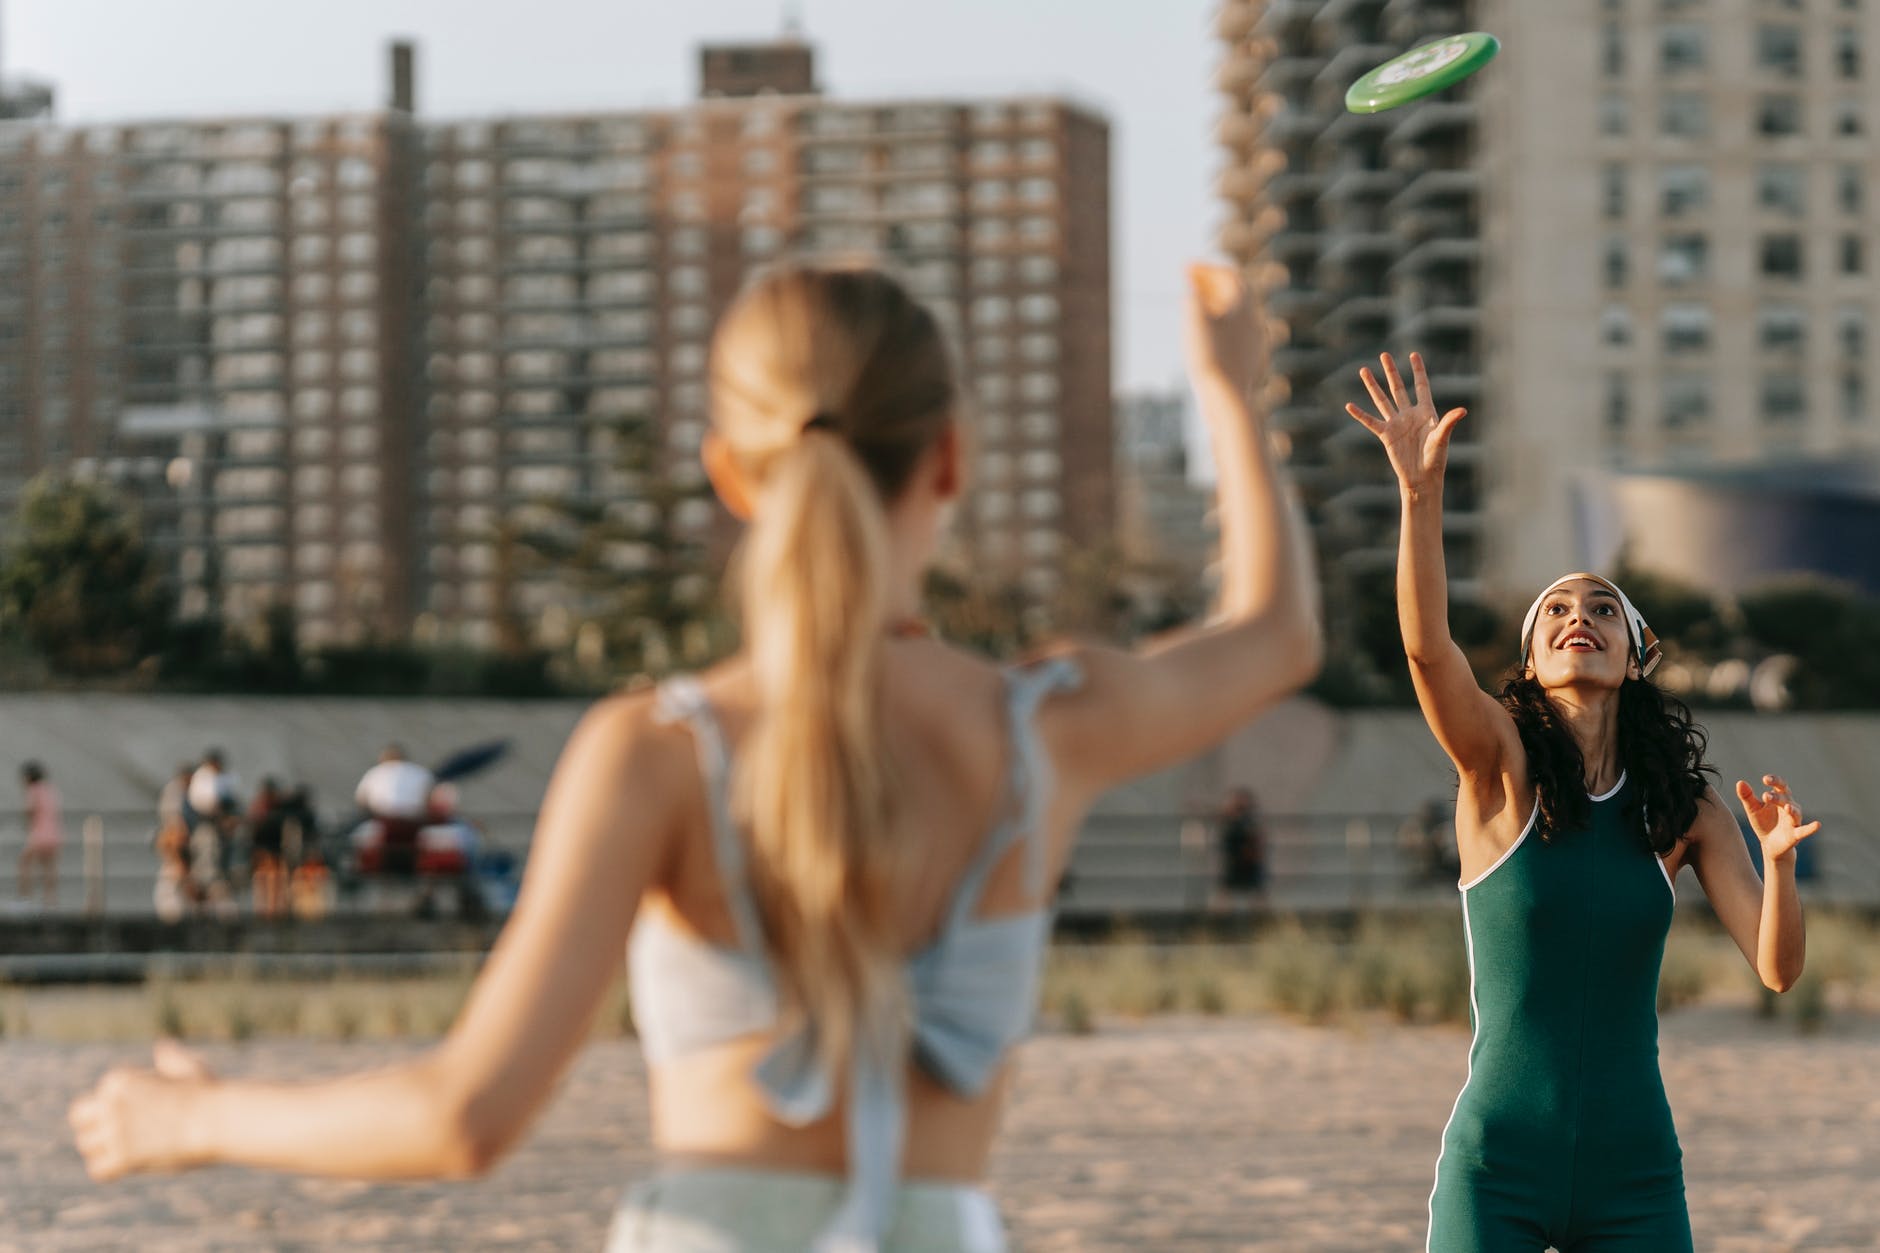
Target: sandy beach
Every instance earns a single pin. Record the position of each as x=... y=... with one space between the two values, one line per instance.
x=1171 y=1134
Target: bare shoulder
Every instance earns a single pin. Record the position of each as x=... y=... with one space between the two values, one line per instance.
x=624 y=742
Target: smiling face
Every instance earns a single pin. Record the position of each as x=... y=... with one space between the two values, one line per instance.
x=1580 y=638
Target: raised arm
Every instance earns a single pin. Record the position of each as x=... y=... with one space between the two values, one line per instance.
x=1471 y=726
x=1763 y=916
x=1139 y=711
x=454 y=1110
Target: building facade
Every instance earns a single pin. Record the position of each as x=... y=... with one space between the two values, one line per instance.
x=1641 y=236
x=342 y=359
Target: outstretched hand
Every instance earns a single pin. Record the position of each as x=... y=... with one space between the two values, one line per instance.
x=1774 y=817
x=1414 y=437
x=133 y=1120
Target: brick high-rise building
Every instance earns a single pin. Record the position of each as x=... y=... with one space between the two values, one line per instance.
x=339 y=356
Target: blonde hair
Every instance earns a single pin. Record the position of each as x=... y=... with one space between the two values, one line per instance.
x=827 y=387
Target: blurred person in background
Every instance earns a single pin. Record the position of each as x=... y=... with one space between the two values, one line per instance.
x=396 y=795
x=45 y=835
x=831 y=856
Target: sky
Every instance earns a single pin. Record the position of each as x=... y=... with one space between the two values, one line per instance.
x=1147 y=64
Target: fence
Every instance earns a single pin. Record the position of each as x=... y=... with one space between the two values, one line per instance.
x=1145 y=863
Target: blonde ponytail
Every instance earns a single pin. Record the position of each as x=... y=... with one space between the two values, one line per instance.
x=829 y=385
x=813 y=792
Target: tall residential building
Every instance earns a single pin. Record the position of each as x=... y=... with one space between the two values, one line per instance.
x=1641 y=236
x=220 y=315
x=340 y=356
x=577 y=264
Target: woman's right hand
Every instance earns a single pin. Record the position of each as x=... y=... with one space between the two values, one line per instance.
x=1416 y=440
x=1224 y=339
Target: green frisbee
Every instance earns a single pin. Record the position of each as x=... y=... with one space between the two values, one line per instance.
x=1425 y=69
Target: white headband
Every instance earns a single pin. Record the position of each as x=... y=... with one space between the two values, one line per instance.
x=1643 y=639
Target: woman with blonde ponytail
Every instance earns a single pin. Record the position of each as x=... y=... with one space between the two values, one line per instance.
x=830 y=857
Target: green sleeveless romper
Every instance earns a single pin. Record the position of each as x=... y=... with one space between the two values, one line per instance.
x=1562 y=1136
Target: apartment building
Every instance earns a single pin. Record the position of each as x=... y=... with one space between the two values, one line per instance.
x=344 y=358
x=1641 y=236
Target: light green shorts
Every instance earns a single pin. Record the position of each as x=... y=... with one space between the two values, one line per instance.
x=724 y=1210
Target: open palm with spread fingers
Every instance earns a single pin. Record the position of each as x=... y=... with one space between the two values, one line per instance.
x=1774 y=816
x=1416 y=439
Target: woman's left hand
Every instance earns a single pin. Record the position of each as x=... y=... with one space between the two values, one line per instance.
x=1774 y=817
x=137 y=1120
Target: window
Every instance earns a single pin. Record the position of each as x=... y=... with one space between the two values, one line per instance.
x=1853 y=255
x=1611 y=50
x=1686 y=328
x=1779 y=116
x=1615 y=114
x=1616 y=263
x=1684 y=259
x=1849 y=120
x=1852 y=326
x=1781 y=328
x=1612 y=186
x=1681 y=48
x=1779 y=50
x=1779 y=189
x=1784 y=398
x=1615 y=326
x=1782 y=256
x=1847 y=52
x=1853 y=398
x=1686 y=400
x=1618 y=402
x=1683 y=189
x=1685 y=115
x=1849 y=188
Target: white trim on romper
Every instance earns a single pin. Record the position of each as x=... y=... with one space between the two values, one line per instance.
x=1518 y=841
x=1475 y=1033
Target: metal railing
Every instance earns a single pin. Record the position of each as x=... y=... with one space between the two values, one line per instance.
x=1124 y=863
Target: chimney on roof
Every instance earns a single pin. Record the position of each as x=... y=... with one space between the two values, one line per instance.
x=404 y=76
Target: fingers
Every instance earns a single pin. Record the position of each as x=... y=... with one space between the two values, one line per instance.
x=1422 y=379
x=1378 y=398
x=1802 y=833
x=1397 y=391
x=1747 y=796
x=1372 y=424
x=1448 y=424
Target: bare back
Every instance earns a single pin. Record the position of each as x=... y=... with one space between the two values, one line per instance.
x=945 y=714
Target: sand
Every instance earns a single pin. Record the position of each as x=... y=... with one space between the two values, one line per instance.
x=1173 y=1134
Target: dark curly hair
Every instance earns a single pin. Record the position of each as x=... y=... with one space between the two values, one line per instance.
x=1661 y=751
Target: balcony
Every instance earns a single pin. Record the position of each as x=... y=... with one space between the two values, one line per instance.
x=1293 y=125
x=1353 y=312
x=1355 y=184
x=1351 y=62
x=1441 y=320
x=1286 y=17
x=1291 y=186
x=1350 y=246
x=1436 y=254
x=1310 y=360
x=1288 y=72
x=1292 y=243
x=1426 y=186
x=1431 y=120
x=1298 y=302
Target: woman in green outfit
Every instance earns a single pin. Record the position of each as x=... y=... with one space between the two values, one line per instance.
x=1582 y=793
